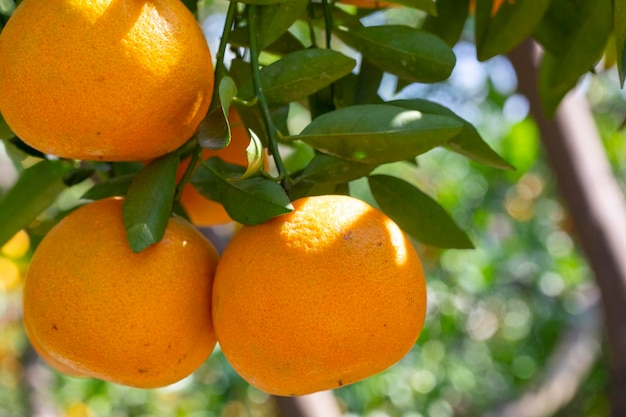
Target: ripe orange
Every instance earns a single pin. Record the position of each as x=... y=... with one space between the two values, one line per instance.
x=104 y=80
x=201 y=210
x=101 y=310
x=49 y=359
x=324 y=296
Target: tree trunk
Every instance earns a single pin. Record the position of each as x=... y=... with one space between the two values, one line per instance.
x=320 y=404
x=595 y=203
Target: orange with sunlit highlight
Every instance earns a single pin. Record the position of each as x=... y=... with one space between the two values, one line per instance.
x=322 y=297
x=123 y=80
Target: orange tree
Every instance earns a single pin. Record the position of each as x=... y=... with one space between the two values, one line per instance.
x=316 y=58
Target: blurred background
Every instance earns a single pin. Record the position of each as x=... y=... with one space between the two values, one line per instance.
x=513 y=323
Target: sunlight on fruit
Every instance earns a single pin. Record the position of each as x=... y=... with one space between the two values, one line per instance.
x=17 y=246
x=9 y=274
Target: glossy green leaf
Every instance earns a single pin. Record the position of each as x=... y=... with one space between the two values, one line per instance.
x=619 y=28
x=285 y=44
x=277 y=18
x=113 y=187
x=301 y=74
x=409 y=53
x=467 y=142
x=332 y=170
x=449 y=22
x=560 y=72
x=428 y=6
x=559 y=23
x=378 y=133
x=35 y=190
x=148 y=202
x=255 y=156
x=214 y=131
x=250 y=201
x=513 y=23
x=416 y=213
x=77 y=175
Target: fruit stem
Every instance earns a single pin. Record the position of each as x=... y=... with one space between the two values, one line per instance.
x=220 y=68
x=215 y=101
x=328 y=21
x=260 y=95
x=191 y=168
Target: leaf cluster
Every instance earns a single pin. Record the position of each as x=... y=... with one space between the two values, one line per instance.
x=317 y=59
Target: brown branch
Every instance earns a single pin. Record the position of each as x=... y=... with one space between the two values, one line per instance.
x=594 y=200
x=320 y=404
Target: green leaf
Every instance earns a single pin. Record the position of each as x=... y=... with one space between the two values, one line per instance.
x=426 y=5
x=27 y=149
x=619 y=27
x=192 y=5
x=277 y=18
x=259 y=2
x=255 y=155
x=250 y=201
x=449 y=22
x=378 y=133
x=35 y=190
x=300 y=74
x=214 y=131
x=284 y=45
x=148 y=203
x=409 y=53
x=5 y=130
x=77 y=175
x=113 y=187
x=560 y=72
x=332 y=170
x=513 y=23
x=467 y=142
x=416 y=213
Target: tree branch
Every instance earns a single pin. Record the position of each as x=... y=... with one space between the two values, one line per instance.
x=594 y=200
x=320 y=404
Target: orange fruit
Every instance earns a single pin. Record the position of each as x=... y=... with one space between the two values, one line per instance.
x=108 y=80
x=49 y=359
x=324 y=296
x=201 y=210
x=98 y=308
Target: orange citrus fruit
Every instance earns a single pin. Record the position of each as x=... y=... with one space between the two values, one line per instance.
x=104 y=80
x=49 y=359
x=137 y=319
x=201 y=210
x=324 y=296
